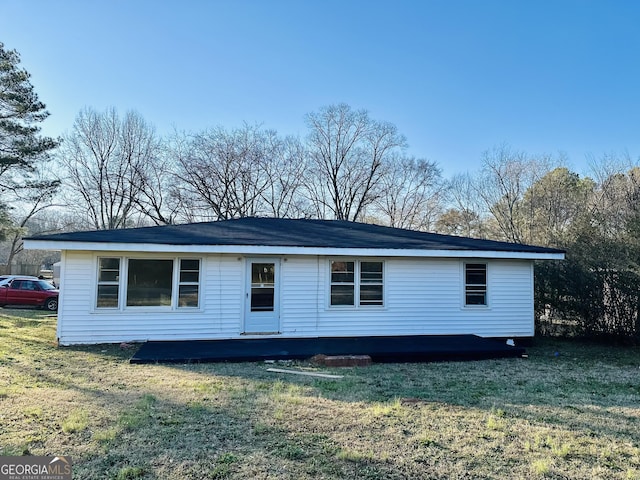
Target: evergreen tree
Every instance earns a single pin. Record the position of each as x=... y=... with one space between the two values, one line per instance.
x=22 y=148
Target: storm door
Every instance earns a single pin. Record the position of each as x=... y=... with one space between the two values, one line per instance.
x=261 y=297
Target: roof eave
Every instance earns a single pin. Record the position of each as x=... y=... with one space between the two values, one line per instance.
x=285 y=250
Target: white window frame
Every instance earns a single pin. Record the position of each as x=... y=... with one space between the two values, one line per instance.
x=465 y=305
x=149 y=307
x=179 y=283
x=117 y=283
x=123 y=280
x=357 y=282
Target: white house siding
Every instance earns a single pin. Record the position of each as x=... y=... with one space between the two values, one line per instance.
x=222 y=288
x=421 y=296
x=302 y=294
x=220 y=314
x=75 y=288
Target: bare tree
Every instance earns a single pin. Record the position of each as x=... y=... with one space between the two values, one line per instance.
x=27 y=202
x=107 y=159
x=159 y=198
x=466 y=213
x=505 y=177
x=285 y=170
x=347 y=150
x=410 y=193
x=223 y=173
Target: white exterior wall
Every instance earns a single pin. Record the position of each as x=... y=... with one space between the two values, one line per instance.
x=421 y=296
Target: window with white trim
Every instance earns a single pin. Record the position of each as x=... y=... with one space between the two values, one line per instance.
x=149 y=283
x=475 y=284
x=189 y=283
x=357 y=283
x=172 y=283
x=108 y=283
x=342 y=283
x=370 y=283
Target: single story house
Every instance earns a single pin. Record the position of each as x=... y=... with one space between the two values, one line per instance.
x=253 y=277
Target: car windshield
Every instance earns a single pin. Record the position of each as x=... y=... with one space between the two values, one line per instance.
x=45 y=285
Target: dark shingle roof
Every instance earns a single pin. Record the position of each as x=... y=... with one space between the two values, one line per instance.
x=254 y=231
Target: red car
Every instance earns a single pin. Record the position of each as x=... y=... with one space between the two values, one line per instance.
x=27 y=291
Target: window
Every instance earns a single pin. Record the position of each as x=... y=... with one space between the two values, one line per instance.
x=263 y=281
x=189 y=283
x=370 y=283
x=23 y=285
x=475 y=284
x=342 y=283
x=108 y=282
x=361 y=280
x=44 y=285
x=148 y=283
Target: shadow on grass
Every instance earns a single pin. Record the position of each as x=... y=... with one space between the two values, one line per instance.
x=577 y=390
x=214 y=436
x=240 y=421
x=127 y=428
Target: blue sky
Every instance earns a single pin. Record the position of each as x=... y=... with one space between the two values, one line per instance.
x=456 y=77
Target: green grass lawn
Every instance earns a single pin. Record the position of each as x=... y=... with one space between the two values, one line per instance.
x=571 y=415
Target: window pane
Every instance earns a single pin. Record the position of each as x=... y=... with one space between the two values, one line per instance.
x=371 y=272
x=263 y=273
x=476 y=299
x=188 y=296
x=262 y=299
x=476 y=274
x=108 y=275
x=371 y=295
x=107 y=296
x=45 y=285
x=475 y=284
x=108 y=283
x=342 y=277
x=476 y=278
x=109 y=263
x=190 y=265
x=149 y=283
x=189 y=277
x=342 y=272
x=342 y=295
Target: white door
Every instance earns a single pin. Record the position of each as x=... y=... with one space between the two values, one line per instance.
x=261 y=297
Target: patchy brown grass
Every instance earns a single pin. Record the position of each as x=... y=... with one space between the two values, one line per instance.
x=571 y=415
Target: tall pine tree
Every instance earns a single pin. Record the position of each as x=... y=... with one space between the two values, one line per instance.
x=22 y=148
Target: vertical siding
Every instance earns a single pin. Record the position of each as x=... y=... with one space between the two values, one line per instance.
x=421 y=296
